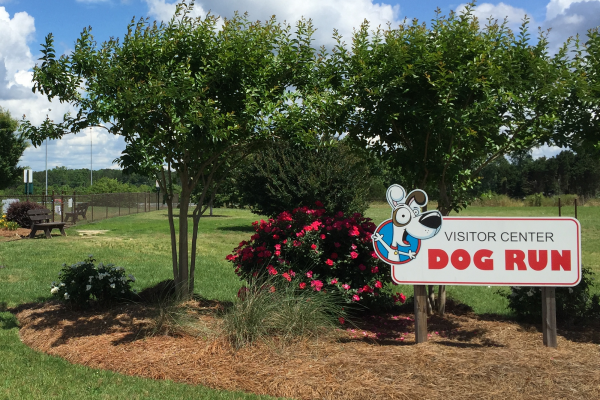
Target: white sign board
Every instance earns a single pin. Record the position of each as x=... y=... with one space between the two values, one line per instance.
x=6 y=203
x=489 y=251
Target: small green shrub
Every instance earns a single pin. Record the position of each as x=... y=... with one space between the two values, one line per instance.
x=17 y=212
x=270 y=306
x=83 y=282
x=573 y=304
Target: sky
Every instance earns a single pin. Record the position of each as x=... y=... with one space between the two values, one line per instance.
x=25 y=23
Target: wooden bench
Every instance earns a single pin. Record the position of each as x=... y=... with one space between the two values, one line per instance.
x=40 y=220
x=80 y=209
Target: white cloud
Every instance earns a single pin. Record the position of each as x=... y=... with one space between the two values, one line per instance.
x=546 y=151
x=343 y=15
x=576 y=18
x=499 y=12
x=16 y=63
x=557 y=7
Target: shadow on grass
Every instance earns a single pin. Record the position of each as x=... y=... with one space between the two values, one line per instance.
x=8 y=321
x=239 y=228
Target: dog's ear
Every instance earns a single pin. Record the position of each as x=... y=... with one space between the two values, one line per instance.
x=416 y=199
x=395 y=195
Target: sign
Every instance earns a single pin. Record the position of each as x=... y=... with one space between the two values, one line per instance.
x=425 y=249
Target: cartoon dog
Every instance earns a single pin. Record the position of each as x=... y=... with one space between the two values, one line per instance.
x=407 y=219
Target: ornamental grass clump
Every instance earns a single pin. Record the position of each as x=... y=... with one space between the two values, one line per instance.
x=82 y=283
x=337 y=249
x=271 y=307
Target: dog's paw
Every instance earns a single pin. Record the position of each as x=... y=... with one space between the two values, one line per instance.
x=377 y=237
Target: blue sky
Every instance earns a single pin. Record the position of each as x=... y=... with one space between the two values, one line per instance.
x=25 y=23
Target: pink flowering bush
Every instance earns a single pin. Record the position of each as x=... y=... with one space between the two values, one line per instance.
x=320 y=251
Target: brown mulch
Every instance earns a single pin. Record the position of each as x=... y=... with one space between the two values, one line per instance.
x=18 y=234
x=467 y=356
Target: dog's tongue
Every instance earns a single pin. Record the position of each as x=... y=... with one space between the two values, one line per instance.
x=404 y=237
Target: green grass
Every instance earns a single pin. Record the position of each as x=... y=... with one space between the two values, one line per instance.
x=140 y=243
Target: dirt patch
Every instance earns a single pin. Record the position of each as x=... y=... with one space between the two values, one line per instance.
x=467 y=357
x=18 y=234
x=91 y=232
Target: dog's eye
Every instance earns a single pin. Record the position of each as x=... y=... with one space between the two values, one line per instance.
x=403 y=216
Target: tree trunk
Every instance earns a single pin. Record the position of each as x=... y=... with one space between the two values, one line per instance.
x=431 y=300
x=172 y=230
x=442 y=300
x=183 y=283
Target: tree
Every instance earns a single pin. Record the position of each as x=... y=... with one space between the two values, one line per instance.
x=282 y=177
x=190 y=97
x=13 y=146
x=443 y=102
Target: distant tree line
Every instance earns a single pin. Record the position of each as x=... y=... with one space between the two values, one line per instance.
x=63 y=179
x=566 y=173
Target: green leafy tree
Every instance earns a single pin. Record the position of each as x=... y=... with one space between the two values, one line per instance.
x=11 y=150
x=282 y=177
x=190 y=97
x=442 y=102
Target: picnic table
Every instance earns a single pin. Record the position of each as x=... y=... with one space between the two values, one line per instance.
x=41 y=220
x=79 y=209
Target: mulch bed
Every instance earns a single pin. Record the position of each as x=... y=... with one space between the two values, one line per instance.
x=18 y=234
x=467 y=356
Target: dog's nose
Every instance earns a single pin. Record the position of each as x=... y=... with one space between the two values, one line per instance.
x=431 y=219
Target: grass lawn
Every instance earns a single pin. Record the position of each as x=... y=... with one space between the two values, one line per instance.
x=140 y=243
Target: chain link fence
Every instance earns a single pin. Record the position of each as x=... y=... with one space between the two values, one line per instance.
x=73 y=208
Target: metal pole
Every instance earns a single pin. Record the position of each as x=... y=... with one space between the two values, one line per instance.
x=46 y=165
x=91 y=163
x=47 y=157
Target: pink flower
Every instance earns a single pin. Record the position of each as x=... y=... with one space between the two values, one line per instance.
x=342 y=320
x=277 y=246
x=334 y=281
x=292 y=273
x=355 y=297
x=353 y=255
x=322 y=236
x=329 y=262
x=346 y=286
x=272 y=270
x=334 y=255
x=287 y=276
x=336 y=244
x=272 y=289
x=378 y=285
x=375 y=269
x=353 y=247
x=317 y=285
x=318 y=204
x=402 y=298
x=302 y=285
x=297 y=243
x=313 y=246
x=275 y=237
x=373 y=254
x=309 y=274
x=362 y=267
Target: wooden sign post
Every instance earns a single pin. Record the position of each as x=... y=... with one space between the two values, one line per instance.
x=420 y=313
x=549 y=316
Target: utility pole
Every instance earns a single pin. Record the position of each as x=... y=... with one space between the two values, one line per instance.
x=91 y=163
x=47 y=158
